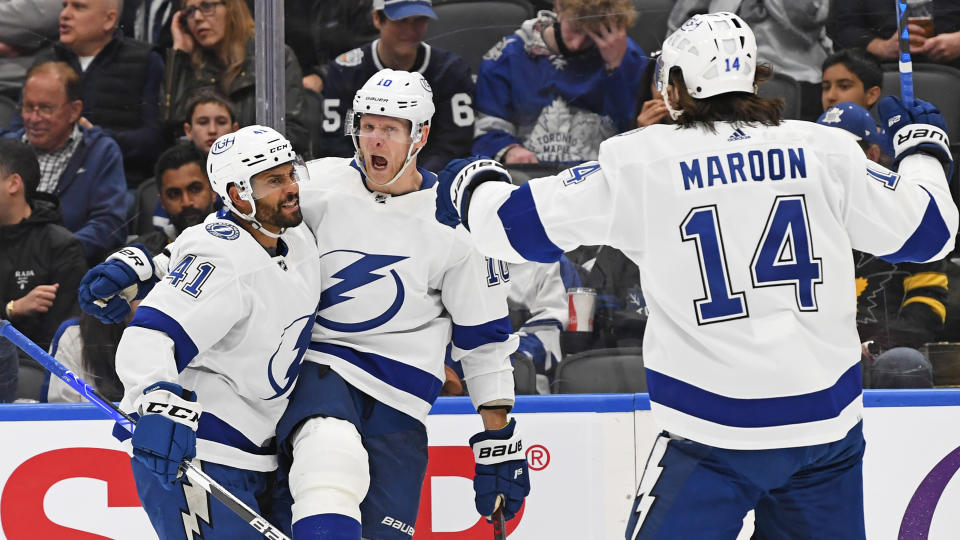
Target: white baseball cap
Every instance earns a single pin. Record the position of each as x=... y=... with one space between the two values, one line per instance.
x=401 y=9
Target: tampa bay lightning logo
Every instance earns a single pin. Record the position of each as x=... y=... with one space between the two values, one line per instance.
x=360 y=274
x=226 y=231
x=293 y=343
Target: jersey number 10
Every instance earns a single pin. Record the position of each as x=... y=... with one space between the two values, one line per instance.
x=783 y=256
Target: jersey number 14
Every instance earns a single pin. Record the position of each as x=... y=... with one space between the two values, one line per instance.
x=783 y=257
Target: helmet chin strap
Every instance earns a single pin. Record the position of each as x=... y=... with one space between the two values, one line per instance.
x=411 y=153
x=249 y=218
x=674 y=113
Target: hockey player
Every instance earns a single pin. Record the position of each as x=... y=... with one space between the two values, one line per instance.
x=399 y=288
x=742 y=226
x=213 y=351
x=402 y=25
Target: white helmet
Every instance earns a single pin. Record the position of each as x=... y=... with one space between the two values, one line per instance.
x=237 y=157
x=397 y=94
x=717 y=53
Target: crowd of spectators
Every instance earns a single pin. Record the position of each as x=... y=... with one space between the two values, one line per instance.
x=109 y=101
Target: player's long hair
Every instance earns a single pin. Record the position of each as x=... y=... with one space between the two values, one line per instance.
x=232 y=50
x=737 y=107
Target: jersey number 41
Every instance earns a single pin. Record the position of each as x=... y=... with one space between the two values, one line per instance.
x=783 y=257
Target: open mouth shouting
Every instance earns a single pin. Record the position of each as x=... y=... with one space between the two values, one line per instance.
x=379 y=163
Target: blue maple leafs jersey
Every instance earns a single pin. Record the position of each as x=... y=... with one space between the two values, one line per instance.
x=743 y=238
x=231 y=323
x=398 y=288
x=451 y=130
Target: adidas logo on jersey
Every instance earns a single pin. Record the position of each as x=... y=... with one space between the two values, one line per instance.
x=738 y=135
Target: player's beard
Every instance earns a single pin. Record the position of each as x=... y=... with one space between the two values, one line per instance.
x=187 y=217
x=275 y=215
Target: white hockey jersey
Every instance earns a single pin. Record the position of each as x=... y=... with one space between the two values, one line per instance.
x=398 y=288
x=231 y=323
x=743 y=238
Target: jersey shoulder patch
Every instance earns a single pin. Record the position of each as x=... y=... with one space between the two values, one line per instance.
x=223 y=230
x=351 y=58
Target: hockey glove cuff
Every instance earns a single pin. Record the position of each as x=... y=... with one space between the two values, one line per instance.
x=166 y=434
x=916 y=128
x=108 y=288
x=501 y=469
x=458 y=180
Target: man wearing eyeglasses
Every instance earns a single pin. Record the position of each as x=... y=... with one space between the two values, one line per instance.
x=120 y=81
x=81 y=166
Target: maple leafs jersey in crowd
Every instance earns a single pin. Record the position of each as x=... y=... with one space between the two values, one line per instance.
x=743 y=238
x=399 y=287
x=560 y=108
x=451 y=129
x=230 y=322
x=537 y=292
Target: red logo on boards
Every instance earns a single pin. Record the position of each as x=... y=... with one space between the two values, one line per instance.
x=538 y=457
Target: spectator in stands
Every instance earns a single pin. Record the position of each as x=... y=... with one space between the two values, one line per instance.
x=902 y=306
x=320 y=30
x=872 y=25
x=9 y=367
x=185 y=195
x=41 y=263
x=791 y=36
x=402 y=25
x=88 y=348
x=208 y=116
x=149 y=21
x=560 y=85
x=213 y=47
x=25 y=27
x=120 y=80
x=851 y=75
x=81 y=166
x=651 y=109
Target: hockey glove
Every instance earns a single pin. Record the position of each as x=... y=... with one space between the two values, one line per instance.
x=456 y=184
x=501 y=470
x=108 y=288
x=166 y=433
x=915 y=128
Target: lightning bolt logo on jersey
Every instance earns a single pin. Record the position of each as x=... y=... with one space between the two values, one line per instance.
x=299 y=332
x=360 y=274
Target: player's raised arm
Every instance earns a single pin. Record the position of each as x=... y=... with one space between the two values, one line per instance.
x=537 y=221
x=908 y=215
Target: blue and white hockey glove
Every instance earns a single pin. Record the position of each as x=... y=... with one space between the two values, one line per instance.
x=166 y=433
x=501 y=470
x=456 y=184
x=915 y=128
x=108 y=288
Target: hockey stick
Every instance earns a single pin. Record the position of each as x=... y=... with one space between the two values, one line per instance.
x=194 y=474
x=499 y=524
x=906 y=64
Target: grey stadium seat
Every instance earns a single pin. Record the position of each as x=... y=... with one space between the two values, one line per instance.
x=935 y=83
x=602 y=371
x=783 y=86
x=471 y=27
x=146 y=201
x=521 y=173
x=524 y=374
x=650 y=29
x=7 y=108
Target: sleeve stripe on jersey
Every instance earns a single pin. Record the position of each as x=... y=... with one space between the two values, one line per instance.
x=184 y=349
x=755 y=413
x=401 y=376
x=63 y=328
x=543 y=322
x=471 y=337
x=524 y=229
x=929 y=238
x=212 y=428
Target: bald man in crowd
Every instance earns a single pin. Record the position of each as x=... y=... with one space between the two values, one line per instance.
x=120 y=80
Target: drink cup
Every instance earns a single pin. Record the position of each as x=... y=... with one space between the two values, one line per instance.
x=920 y=13
x=581 y=305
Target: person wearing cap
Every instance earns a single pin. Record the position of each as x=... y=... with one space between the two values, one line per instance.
x=900 y=306
x=402 y=25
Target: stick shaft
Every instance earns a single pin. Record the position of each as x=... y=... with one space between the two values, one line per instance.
x=906 y=63
x=194 y=474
